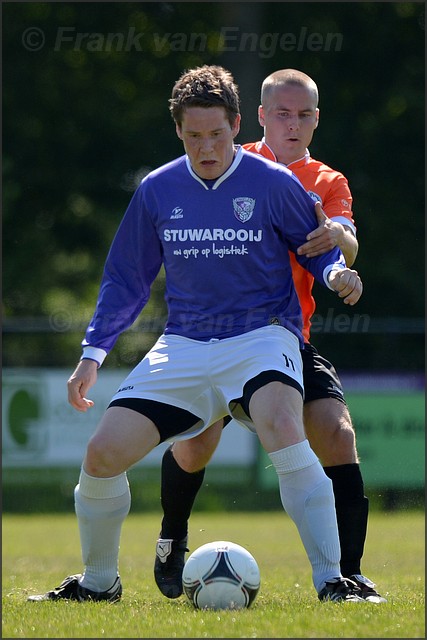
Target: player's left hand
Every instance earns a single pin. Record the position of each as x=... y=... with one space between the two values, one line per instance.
x=327 y=235
x=348 y=285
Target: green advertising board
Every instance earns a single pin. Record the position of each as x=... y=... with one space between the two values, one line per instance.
x=390 y=431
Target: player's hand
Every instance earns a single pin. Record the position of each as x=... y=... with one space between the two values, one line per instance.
x=79 y=383
x=327 y=235
x=348 y=285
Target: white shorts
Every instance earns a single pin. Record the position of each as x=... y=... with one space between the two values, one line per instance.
x=206 y=378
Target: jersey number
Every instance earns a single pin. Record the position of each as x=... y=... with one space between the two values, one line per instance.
x=289 y=362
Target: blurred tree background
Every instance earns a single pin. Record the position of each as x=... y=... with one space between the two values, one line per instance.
x=85 y=116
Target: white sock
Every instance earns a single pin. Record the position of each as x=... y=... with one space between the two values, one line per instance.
x=101 y=505
x=307 y=496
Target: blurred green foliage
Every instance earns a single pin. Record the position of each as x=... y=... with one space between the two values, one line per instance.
x=85 y=116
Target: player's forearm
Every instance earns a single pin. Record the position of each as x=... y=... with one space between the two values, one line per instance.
x=349 y=246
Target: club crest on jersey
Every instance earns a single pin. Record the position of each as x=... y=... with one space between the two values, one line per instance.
x=315 y=196
x=243 y=208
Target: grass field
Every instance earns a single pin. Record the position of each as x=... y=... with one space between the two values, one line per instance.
x=39 y=551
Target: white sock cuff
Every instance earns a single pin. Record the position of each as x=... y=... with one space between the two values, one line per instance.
x=297 y=456
x=92 y=487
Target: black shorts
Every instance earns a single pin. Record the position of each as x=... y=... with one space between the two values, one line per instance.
x=319 y=375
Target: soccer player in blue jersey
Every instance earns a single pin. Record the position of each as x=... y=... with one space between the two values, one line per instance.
x=220 y=220
x=289 y=115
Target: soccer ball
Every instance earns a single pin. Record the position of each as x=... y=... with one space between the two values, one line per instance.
x=221 y=575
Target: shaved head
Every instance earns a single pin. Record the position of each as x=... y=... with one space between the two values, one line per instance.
x=287 y=77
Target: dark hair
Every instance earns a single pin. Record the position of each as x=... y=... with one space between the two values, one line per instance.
x=207 y=86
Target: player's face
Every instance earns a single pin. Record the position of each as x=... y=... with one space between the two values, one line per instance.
x=208 y=140
x=289 y=117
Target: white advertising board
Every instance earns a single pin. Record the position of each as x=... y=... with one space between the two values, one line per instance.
x=40 y=428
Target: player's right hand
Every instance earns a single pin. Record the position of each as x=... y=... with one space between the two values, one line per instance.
x=347 y=283
x=79 y=383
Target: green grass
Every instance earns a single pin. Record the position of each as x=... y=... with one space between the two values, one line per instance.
x=40 y=550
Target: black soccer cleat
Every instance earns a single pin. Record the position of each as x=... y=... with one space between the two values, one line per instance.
x=70 y=589
x=340 y=590
x=367 y=589
x=169 y=565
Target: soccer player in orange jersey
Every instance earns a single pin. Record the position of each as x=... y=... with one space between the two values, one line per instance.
x=289 y=114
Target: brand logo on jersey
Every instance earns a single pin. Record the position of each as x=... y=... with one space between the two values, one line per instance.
x=345 y=203
x=243 y=208
x=177 y=213
x=315 y=196
x=125 y=388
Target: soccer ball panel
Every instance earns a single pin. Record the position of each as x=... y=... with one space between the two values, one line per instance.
x=221 y=595
x=221 y=575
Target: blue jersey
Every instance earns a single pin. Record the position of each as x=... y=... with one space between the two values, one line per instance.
x=224 y=246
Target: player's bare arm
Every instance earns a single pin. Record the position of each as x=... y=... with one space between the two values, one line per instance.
x=347 y=283
x=330 y=234
x=79 y=383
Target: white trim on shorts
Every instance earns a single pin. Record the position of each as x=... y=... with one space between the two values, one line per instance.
x=205 y=377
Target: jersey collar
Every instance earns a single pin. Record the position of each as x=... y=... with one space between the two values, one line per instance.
x=263 y=148
x=231 y=169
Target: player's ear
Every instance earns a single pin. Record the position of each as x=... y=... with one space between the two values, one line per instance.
x=178 y=131
x=317 y=118
x=236 y=126
x=261 y=115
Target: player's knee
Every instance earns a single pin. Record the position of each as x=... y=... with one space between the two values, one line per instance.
x=341 y=443
x=100 y=461
x=345 y=436
x=192 y=458
x=193 y=455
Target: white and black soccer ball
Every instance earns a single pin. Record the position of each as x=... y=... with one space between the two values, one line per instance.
x=221 y=575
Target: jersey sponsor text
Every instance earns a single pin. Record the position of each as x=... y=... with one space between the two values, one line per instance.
x=201 y=235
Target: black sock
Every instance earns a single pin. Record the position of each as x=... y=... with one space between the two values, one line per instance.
x=352 y=514
x=178 y=492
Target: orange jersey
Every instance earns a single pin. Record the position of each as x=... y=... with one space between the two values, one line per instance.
x=331 y=189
